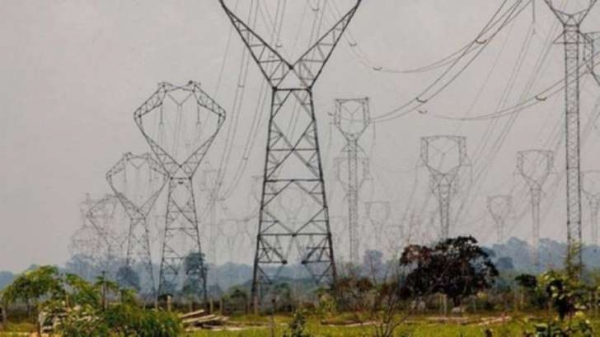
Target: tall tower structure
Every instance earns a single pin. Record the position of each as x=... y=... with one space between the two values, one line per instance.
x=378 y=214
x=137 y=181
x=444 y=157
x=591 y=189
x=535 y=166
x=500 y=207
x=571 y=17
x=293 y=157
x=84 y=248
x=169 y=121
x=111 y=233
x=352 y=119
x=207 y=186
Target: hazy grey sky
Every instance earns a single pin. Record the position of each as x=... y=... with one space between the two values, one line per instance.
x=73 y=72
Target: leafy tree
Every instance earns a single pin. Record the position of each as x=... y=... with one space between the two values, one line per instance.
x=77 y=307
x=526 y=281
x=456 y=267
x=31 y=287
x=566 y=294
x=283 y=294
x=193 y=264
x=567 y=297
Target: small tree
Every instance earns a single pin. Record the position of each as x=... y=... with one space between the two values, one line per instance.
x=456 y=267
x=77 y=308
x=193 y=264
x=33 y=286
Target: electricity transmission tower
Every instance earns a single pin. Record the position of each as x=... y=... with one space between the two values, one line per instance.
x=352 y=119
x=444 y=156
x=500 y=207
x=572 y=39
x=535 y=166
x=208 y=181
x=84 y=246
x=188 y=121
x=110 y=233
x=137 y=181
x=378 y=213
x=292 y=158
x=591 y=189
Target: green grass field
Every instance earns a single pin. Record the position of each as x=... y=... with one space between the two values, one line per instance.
x=414 y=327
x=424 y=326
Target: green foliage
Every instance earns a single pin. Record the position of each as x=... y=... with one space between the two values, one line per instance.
x=297 y=326
x=355 y=293
x=456 y=267
x=566 y=294
x=327 y=306
x=555 y=329
x=32 y=286
x=76 y=307
x=526 y=281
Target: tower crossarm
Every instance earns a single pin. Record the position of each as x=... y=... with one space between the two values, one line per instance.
x=189 y=166
x=310 y=65
x=572 y=19
x=281 y=73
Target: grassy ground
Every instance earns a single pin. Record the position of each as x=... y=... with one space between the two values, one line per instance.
x=414 y=327
x=425 y=326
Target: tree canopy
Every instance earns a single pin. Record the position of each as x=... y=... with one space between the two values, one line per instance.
x=456 y=267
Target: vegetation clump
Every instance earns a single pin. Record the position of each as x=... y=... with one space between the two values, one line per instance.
x=75 y=307
x=455 y=267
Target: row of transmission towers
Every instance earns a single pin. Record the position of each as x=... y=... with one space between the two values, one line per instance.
x=188 y=121
x=535 y=167
x=179 y=124
x=578 y=47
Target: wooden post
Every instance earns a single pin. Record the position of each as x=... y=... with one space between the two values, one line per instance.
x=104 y=290
x=211 y=306
x=595 y=303
x=255 y=305
x=445 y=304
x=169 y=303
x=274 y=304
x=3 y=314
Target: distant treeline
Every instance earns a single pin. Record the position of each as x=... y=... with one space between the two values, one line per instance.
x=514 y=254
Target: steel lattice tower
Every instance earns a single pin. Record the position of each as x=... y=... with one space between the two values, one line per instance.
x=292 y=159
x=500 y=207
x=361 y=174
x=352 y=127
x=179 y=107
x=444 y=156
x=591 y=189
x=378 y=213
x=535 y=166
x=208 y=181
x=573 y=39
x=110 y=233
x=84 y=247
x=138 y=198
